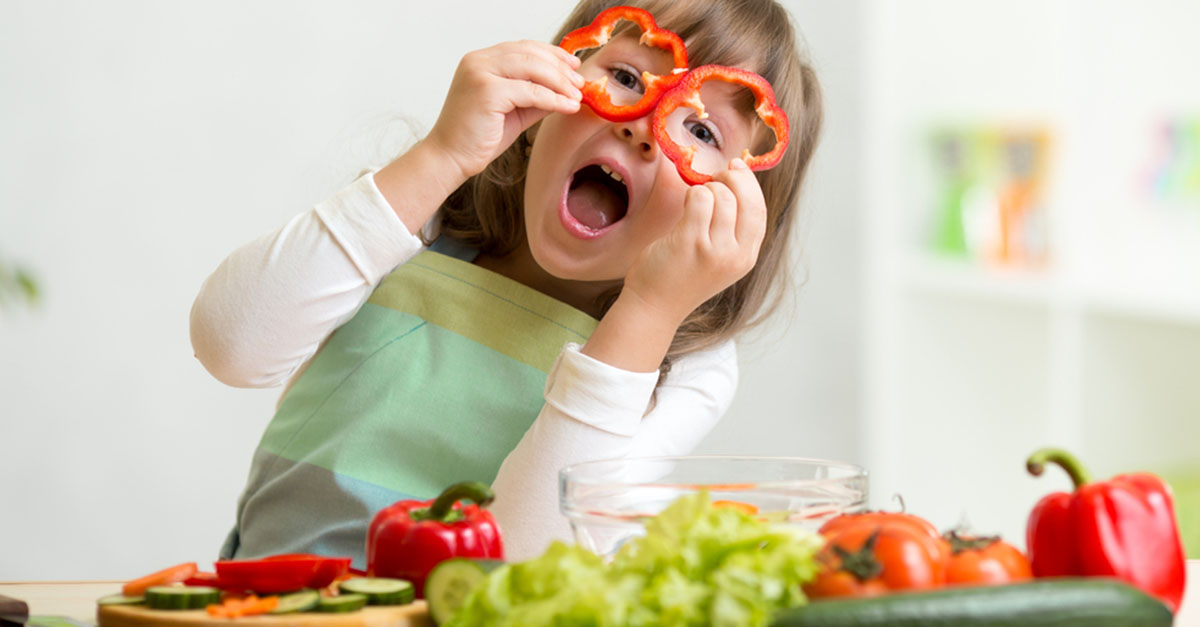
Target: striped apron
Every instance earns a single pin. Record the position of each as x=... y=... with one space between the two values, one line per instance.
x=432 y=382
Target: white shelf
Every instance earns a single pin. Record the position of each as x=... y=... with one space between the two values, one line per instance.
x=958 y=277
x=961 y=278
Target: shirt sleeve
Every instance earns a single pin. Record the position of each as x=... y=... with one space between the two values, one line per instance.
x=267 y=308
x=596 y=411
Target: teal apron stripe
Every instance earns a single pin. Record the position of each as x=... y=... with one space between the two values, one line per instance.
x=336 y=512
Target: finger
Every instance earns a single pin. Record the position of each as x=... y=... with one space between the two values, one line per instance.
x=539 y=47
x=513 y=55
x=724 y=219
x=527 y=95
x=752 y=207
x=697 y=212
x=528 y=67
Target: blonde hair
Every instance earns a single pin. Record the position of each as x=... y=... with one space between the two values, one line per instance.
x=485 y=212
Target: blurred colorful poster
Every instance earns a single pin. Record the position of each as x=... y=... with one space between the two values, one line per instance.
x=1174 y=176
x=989 y=193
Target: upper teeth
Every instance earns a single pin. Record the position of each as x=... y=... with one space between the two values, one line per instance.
x=609 y=171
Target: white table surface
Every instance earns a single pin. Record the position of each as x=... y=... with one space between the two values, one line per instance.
x=77 y=599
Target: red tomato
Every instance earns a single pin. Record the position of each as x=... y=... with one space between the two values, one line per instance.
x=919 y=526
x=873 y=554
x=980 y=560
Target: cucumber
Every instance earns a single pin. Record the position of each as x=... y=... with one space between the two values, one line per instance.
x=342 y=603
x=451 y=582
x=380 y=590
x=1093 y=602
x=181 y=597
x=120 y=599
x=301 y=601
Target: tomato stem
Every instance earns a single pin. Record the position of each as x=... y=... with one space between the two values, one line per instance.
x=861 y=563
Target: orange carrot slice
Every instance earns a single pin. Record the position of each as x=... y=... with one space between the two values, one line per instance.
x=164 y=577
x=747 y=508
x=235 y=607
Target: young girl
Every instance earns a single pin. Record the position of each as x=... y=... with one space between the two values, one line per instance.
x=547 y=317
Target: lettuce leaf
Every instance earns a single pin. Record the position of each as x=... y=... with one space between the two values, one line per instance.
x=696 y=565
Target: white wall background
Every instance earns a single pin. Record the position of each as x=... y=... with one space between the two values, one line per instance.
x=141 y=141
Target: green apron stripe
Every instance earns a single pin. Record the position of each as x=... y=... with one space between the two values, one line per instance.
x=285 y=432
x=588 y=324
x=518 y=321
x=448 y=429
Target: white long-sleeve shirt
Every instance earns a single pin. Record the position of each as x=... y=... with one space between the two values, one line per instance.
x=264 y=313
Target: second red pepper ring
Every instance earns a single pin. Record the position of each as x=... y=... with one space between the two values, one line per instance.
x=596 y=34
x=687 y=94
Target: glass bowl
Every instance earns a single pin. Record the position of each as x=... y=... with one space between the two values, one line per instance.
x=607 y=502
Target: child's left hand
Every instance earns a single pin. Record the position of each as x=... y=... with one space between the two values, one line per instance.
x=715 y=243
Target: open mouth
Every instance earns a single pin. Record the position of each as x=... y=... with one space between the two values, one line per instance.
x=597 y=197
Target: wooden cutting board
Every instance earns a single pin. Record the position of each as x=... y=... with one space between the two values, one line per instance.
x=412 y=615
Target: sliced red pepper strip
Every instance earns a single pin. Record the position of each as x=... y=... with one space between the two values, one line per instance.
x=687 y=93
x=280 y=573
x=595 y=94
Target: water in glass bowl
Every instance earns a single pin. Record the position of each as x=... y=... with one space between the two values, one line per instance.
x=607 y=502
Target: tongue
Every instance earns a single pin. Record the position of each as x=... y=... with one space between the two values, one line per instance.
x=593 y=204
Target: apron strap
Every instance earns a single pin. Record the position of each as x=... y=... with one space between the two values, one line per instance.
x=454 y=248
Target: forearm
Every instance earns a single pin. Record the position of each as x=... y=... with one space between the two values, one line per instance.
x=632 y=335
x=594 y=411
x=417 y=183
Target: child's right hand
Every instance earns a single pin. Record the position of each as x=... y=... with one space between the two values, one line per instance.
x=497 y=93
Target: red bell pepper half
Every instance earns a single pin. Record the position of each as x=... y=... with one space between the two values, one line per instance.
x=595 y=95
x=408 y=538
x=280 y=573
x=1124 y=527
x=687 y=93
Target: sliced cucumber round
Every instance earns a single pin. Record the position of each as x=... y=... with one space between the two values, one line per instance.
x=120 y=599
x=342 y=603
x=451 y=582
x=380 y=590
x=301 y=601
x=181 y=597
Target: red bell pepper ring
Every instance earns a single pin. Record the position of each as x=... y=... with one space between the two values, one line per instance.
x=687 y=93
x=408 y=538
x=1124 y=527
x=280 y=573
x=595 y=94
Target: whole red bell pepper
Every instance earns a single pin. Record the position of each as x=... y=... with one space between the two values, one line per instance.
x=408 y=538
x=1124 y=527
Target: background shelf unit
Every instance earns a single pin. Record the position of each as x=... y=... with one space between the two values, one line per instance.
x=969 y=367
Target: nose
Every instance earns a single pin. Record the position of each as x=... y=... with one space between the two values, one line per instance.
x=639 y=135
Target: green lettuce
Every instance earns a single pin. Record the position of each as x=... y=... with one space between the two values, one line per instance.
x=696 y=565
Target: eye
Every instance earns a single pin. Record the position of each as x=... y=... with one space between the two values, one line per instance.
x=628 y=78
x=703 y=131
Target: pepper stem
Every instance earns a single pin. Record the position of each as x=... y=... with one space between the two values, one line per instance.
x=476 y=491
x=1037 y=463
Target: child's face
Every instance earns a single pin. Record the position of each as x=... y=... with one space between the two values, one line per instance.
x=586 y=224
